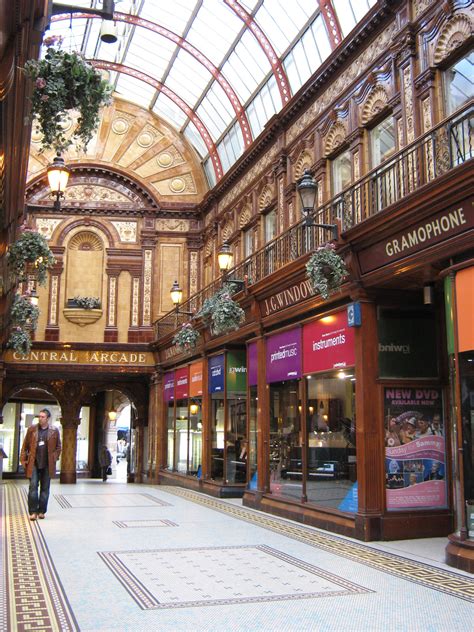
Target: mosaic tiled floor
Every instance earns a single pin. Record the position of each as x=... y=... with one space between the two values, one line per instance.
x=114 y=564
x=435 y=578
x=179 y=578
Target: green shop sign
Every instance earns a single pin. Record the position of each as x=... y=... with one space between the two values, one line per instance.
x=236 y=371
x=407 y=344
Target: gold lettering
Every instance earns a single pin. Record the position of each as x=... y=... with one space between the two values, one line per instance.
x=113 y=357
x=63 y=357
x=104 y=357
x=53 y=356
x=133 y=357
x=142 y=358
x=94 y=357
x=34 y=355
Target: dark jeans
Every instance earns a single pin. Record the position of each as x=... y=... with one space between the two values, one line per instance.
x=104 y=472
x=39 y=477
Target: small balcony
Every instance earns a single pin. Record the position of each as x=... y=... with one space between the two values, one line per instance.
x=436 y=153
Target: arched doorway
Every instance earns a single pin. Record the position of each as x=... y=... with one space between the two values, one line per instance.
x=115 y=414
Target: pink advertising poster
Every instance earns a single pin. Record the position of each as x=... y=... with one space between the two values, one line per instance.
x=415 y=458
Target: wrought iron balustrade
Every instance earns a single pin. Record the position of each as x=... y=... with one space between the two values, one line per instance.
x=440 y=150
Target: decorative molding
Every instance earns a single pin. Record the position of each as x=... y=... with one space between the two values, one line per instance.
x=193 y=272
x=86 y=240
x=409 y=107
x=420 y=6
x=304 y=161
x=127 y=231
x=376 y=101
x=46 y=225
x=426 y=114
x=453 y=35
x=266 y=197
x=227 y=231
x=82 y=317
x=135 y=301
x=112 y=301
x=245 y=216
x=53 y=305
x=94 y=193
x=335 y=137
x=340 y=85
x=173 y=225
x=147 y=282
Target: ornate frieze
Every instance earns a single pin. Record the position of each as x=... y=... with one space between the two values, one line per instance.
x=45 y=226
x=53 y=304
x=112 y=301
x=147 y=278
x=135 y=301
x=193 y=272
x=93 y=193
x=409 y=107
x=127 y=231
x=339 y=85
x=173 y=225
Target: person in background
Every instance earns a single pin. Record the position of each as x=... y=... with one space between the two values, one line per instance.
x=105 y=461
x=40 y=450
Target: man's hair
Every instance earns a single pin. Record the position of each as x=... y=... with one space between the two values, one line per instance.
x=47 y=412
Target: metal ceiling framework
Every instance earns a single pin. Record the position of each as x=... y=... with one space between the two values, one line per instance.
x=210 y=138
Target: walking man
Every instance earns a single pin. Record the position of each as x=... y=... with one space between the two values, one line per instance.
x=40 y=450
x=105 y=462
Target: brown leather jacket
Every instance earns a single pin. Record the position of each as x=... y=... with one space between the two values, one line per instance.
x=28 y=449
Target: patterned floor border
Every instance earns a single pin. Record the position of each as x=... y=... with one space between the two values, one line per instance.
x=148 y=597
x=444 y=581
x=32 y=596
x=62 y=500
x=143 y=524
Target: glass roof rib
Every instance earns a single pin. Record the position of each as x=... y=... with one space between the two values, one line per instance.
x=206 y=65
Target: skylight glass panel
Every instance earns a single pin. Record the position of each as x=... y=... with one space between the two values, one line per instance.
x=266 y=103
x=220 y=101
x=350 y=12
x=154 y=49
x=195 y=138
x=188 y=77
x=171 y=112
x=174 y=15
x=249 y=62
x=212 y=118
x=214 y=30
x=210 y=173
x=230 y=148
x=135 y=90
x=281 y=24
x=239 y=76
x=320 y=34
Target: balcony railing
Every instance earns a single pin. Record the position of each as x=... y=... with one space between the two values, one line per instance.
x=440 y=150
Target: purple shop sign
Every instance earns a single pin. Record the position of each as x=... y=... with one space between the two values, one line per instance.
x=168 y=386
x=252 y=364
x=284 y=356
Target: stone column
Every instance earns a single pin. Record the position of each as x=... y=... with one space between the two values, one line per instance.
x=68 y=456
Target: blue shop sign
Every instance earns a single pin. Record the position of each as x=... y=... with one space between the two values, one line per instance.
x=354 y=316
x=216 y=374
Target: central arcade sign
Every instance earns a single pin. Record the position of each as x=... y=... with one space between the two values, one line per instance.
x=80 y=356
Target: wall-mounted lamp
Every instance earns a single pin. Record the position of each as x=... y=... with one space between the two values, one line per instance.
x=176 y=294
x=108 y=32
x=225 y=259
x=58 y=176
x=112 y=414
x=307 y=188
x=107 y=11
x=428 y=294
x=193 y=408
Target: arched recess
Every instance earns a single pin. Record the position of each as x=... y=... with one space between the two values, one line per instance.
x=85 y=265
x=376 y=101
x=453 y=35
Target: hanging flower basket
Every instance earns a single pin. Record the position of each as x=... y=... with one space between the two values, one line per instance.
x=20 y=341
x=65 y=81
x=23 y=313
x=326 y=270
x=30 y=254
x=186 y=338
x=221 y=313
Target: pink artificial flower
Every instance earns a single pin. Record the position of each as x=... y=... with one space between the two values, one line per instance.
x=52 y=40
x=44 y=97
x=40 y=83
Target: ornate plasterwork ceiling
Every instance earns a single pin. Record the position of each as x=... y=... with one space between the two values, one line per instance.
x=133 y=141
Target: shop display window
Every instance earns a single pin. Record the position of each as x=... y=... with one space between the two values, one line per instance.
x=285 y=439
x=459 y=83
x=252 y=438
x=181 y=435
x=341 y=172
x=331 y=439
x=236 y=438
x=194 y=436
x=171 y=436
x=217 y=436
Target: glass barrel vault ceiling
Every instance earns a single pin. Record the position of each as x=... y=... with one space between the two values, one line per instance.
x=217 y=70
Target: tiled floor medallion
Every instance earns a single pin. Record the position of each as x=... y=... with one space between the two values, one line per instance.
x=179 y=578
x=105 y=501
x=139 y=524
